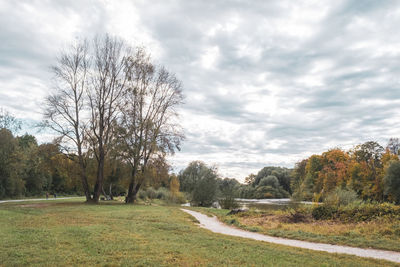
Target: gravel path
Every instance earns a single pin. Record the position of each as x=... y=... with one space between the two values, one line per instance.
x=214 y=225
x=35 y=199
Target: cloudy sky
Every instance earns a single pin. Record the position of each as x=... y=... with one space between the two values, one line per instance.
x=266 y=82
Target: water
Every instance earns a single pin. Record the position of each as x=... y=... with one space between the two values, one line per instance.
x=266 y=204
x=263 y=204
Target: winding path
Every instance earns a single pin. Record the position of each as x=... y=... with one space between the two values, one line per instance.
x=214 y=225
x=35 y=199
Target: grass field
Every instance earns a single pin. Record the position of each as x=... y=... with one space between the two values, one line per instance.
x=381 y=233
x=60 y=233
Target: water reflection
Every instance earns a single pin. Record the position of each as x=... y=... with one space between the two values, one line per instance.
x=269 y=204
x=263 y=204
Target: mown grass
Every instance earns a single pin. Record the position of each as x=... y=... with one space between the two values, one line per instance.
x=380 y=233
x=65 y=233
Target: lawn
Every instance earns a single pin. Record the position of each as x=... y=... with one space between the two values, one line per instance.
x=381 y=233
x=61 y=233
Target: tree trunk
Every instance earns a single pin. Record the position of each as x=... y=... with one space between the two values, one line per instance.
x=86 y=188
x=84 y=181
x=110 y=192
x=100 y=176
x=130 y=198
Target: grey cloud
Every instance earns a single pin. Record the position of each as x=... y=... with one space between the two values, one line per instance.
x=356 y=100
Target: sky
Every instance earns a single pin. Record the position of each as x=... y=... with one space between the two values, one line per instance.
x=266 y=83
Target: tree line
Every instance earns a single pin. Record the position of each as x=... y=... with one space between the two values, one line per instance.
x=110 y=105
x=370 y=170
x=31 y=169
x=205 y=186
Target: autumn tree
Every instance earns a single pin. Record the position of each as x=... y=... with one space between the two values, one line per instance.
x=392 y=181
x=174 y=188
x=148 y=126
x=250 y=179
x=369 y=156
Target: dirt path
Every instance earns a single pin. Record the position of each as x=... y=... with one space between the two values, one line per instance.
x=214 y=225
x=35 y=199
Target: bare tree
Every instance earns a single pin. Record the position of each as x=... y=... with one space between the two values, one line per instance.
x=9 y=122
x=107 y=86
x=102 y=88
x=148 y=126
x=394 y=146
x=63 y=111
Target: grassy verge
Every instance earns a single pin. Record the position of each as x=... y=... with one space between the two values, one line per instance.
x=71 y=233
x=380 y=233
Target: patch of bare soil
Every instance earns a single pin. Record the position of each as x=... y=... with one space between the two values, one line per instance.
x=36 y=205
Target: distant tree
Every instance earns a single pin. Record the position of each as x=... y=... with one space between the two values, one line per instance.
x=204 y=193
x=282 y=174
x=270 y=180
x=200 y=181
x=394 y=146
x=7 y=121
x=175 y=195
x=11 y=184
x=250 y=179
x=370 y=152
x=227 y=186
x=392 y=181
x=297 y=178
x=369 y=155
x=157 y=172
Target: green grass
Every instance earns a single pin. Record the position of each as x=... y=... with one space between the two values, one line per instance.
x=379 y=233
x=65 y=233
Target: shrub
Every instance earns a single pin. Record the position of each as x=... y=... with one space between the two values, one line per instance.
x=228 y=203
x=151 y=193
x=162 y=193
x=142 y=194
x=324 y=212
x=296 y=215
x=356 y=212
x=367 y=211
x=177 y=197
x=340 y=197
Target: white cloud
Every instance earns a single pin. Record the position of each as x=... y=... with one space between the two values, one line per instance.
x=266 y=82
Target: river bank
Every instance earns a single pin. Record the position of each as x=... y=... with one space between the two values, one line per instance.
x=379 y=233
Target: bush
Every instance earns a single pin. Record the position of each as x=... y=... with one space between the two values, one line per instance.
x=178 y=198
x=151 y=193
x=367 y=211
x=356 y=212
x=340 y=197
x=228 y=203
x=297 y=215
x=162 y=193
x=142 y=194
x=324 y=212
